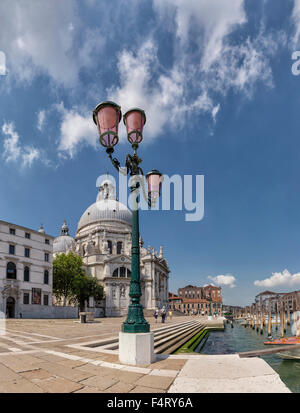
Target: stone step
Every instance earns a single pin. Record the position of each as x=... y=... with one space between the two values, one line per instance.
x=113 y=344
x=181 y=341
x=166 y=345
x=172 y=333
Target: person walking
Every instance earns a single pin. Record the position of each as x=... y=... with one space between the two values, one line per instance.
x=170 y=314
x=163 y=314
x=156 y=315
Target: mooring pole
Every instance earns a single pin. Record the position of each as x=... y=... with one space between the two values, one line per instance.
x=270 y=320
x=281 y=320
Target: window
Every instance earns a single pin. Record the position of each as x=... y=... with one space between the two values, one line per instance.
x=119 y=247
x=47 y=241
x=12 y=249
x=46 y=299
x=122 y=272
x=11 y=271
x=26 y=274
x=27 y=252
x=109 y=245
x=12 y=231
x=128 y=273
x=46 y=277
x=116 y=272
x=27 y=235
x=26 y=298
x=46 y=257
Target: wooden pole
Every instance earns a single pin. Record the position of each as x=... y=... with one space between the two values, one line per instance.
x=261 y=319
x=269 y=320
x=284 y=317
x=288 y=319
x=281 y=320
x=264 y=315
x=276 y=315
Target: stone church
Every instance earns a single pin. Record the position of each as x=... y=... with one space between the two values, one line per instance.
x=103 y=240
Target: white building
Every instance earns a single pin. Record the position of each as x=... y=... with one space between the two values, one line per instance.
x=25 y=271
x=103 y=240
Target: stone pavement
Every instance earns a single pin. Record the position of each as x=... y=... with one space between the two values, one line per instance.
x=48 y=356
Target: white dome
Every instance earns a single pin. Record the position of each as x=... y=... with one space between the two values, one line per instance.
x=64 y=242
x=106 y=208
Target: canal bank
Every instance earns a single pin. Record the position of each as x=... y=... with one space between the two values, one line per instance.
x=240 y=339
x=212 y=371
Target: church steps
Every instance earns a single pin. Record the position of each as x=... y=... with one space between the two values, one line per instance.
x=180 y=343
x=163 y=331
x=171 y=331
x=174 y=342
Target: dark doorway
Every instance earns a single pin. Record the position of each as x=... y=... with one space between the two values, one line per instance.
x=10 y=307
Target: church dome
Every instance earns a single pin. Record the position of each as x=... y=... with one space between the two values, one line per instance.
x=64 y=242
x=106 y=208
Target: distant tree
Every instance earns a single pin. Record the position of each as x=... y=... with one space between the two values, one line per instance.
x=86 y=287
x=70 y=282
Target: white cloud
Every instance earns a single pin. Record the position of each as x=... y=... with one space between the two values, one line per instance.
x=42 y=37
x=162 y=96
x=13 y=151
x=227 y=280
x=76 y=130
x=296 y=20
x=207 y=21
x=279 y=279
x=41 y=119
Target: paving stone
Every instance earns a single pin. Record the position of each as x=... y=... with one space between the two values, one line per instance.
x=120 y=387
x=7 y=374
x=169 y=364
x=141 y=389
x=20 y=385
x=126 y=376
x=71 y=363
x=36 y=374
x=87 y=389
x=66 y=372
x=155 y=382
x=59 y=385
x=100 y=382
x=18 y=365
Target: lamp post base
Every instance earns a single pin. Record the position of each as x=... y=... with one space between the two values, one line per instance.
x=135 y=321
x=136 y=349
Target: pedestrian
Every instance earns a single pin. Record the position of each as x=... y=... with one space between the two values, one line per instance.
x=156 y=314
x=170 y=314
x=163 y=313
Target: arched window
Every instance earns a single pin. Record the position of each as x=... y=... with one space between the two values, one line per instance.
x=109 y=245
x=122 y=272
x=128 y=273
x=11 y=271
x=119 y=247
x=26 y=274
x=116 y=272
x=46 y=277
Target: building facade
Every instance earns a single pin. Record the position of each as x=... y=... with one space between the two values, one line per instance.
x=25 y=271
x=103 y=240
x=197 y=300
x=207 y=292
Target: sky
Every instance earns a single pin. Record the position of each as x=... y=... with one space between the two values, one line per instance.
x=215 y=80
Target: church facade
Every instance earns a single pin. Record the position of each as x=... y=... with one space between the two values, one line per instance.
x=103 y=240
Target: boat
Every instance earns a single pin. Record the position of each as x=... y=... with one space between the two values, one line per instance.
x=284 y=341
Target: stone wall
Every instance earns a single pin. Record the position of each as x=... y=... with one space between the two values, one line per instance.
x=41 y=311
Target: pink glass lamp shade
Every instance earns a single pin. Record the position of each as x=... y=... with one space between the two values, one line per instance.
x=107 y=116
x=135 y=120
x=154 y=180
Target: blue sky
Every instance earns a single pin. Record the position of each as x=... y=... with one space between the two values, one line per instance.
x=214 y=78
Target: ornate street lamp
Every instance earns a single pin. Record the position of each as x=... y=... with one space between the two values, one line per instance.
x=107 y=116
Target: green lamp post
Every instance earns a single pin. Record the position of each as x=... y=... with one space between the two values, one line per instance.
x=107 y=116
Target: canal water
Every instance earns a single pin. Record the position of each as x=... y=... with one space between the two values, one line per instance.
x=239 y=339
